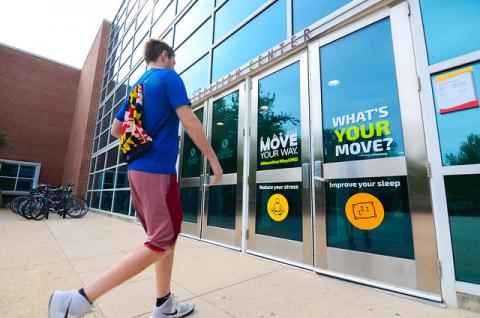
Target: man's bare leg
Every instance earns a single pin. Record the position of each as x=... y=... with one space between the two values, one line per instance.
x=163 y=274
x=129 y=266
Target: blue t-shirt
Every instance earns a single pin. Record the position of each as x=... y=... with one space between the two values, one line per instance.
x=164 y=92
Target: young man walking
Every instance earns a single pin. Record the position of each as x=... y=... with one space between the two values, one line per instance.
x=154 y=190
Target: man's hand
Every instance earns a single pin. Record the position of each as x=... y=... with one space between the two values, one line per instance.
x=217 y=173
x=194 y=129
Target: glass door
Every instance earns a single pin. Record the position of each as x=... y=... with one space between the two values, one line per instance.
x=373 y=215
x=222 y=218
x=280 y=214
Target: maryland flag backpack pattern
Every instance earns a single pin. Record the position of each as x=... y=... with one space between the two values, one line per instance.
x=134 y=140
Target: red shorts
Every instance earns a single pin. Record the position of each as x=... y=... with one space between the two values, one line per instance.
x=156 y=199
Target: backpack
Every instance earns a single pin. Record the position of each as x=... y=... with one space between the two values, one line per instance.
x=135 y=141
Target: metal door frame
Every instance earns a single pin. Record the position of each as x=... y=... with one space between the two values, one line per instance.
x=450 y=286
x=414 y=165
x=287 y=251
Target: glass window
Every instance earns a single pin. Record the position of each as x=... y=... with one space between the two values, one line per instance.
x=279 y=210
x=122 y=177
x=225 y=131
x=144 y=15
x=122 y=73
x=189 y=197
x=90 y=182
x=160 y=7
x=103 y=140
x=268 y=29
x=108 y=104
x=451 y=28
x=370 y=215
x=9 y=170
x=192 y=19
x=128 y=38
x=457 y=116
x=112 y=157
x=106 y=121
x=232 y=13
x=463 y=204
x=120 y=93
x=168 y=38
x=100 y=161
x=221 y=206
x=307 y=12
x=17 y=176
x=196 y=76
x=142 y=32
x=92 y=164
x=107 y=197
x=27 y=171
x=95 y=200
x=121 y=202
x=182 y=4
x=164 y=21
x=191 y=162
x=361 y=109
x=98 y=180
x=7 y=184
x=195 y=46
x=279 y=132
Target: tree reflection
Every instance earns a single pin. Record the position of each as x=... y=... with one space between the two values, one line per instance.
x=468 y=153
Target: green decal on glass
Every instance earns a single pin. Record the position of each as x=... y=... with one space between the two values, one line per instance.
x=370 y=215
x=279 y=132
x=279 y=210
x=225 y=131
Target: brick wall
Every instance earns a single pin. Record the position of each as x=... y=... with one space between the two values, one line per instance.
x=37 y=99
x=79 y=150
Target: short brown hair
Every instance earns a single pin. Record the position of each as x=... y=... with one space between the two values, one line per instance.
x=153 y=49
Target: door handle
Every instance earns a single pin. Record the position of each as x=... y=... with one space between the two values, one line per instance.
x=306 y=175
x=318 y=171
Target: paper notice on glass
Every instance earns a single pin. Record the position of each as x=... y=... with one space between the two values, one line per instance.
x=456 y=90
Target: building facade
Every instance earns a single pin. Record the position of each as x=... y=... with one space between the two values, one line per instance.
x=48 y=113
x=347 y=131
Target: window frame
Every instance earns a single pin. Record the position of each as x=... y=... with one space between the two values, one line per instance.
x=37 y=166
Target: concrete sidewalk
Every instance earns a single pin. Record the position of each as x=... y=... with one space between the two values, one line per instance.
x=38 y=257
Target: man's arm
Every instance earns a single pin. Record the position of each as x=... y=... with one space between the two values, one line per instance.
x=117 y=128
x=194 y=129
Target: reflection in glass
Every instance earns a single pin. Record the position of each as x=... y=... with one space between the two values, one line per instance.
x=232 y=13
x=168 y=38
x=279 y=131
x=459 y=131
x=225 y=131
x=191 y=154
x=122 y=202
x=98 y=180
x=192 y=19
x=393 y=237
x=100 y=161
x=451 y=28
x=221 y=206
x=463 y=204
x=196 y=76
x=268 y=29
x=112 y=157
x=196 y=45
x=291 y=228
x=307 y=12
x=189 y=197
x=106 y=200
x=361 y=109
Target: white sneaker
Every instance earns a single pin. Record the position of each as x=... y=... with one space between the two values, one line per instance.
x=68 y=304
x=171 y=309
